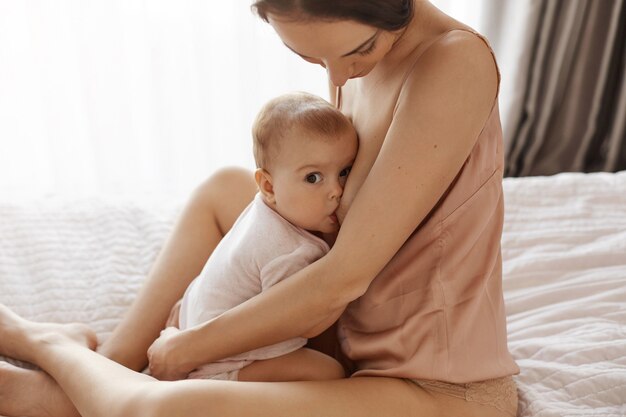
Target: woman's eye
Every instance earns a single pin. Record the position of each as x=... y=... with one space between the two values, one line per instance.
x=368 y=50
x=344 y=172
x=313 y=178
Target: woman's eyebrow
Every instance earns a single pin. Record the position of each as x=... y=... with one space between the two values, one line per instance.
x=354 y=51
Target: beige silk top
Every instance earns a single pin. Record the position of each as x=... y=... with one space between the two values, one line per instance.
x=436 y=311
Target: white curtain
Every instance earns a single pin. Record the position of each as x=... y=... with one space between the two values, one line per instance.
x=149 y=97
x=132 y=96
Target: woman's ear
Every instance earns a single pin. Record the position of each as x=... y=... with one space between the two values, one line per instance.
x=264 y=181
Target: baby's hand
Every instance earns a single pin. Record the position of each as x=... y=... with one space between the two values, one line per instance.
x=164 y=357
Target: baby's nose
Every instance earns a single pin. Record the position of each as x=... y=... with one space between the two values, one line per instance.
x=336 y=191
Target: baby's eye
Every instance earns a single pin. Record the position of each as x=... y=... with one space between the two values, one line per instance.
x=313 y=178
x=344 y=172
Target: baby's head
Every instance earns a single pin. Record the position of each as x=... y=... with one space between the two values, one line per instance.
x=304 y=149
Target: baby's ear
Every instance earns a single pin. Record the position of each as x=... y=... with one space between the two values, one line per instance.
x=264 y=181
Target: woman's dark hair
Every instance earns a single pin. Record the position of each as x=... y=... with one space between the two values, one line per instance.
x=383 y=14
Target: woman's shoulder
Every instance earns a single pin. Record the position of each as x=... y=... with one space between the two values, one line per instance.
x=456 y=56
x=454 y=73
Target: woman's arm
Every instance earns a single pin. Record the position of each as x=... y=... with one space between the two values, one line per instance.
x=438 y=117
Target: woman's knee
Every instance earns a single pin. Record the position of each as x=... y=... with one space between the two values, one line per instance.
x=226 y=193
x=225 y=180
x=230 y=174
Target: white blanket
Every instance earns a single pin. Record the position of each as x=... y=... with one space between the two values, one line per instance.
x=79 y=260
x=564 y=249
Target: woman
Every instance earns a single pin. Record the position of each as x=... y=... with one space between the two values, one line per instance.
x=416 y=265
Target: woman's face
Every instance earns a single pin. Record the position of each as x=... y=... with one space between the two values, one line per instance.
x=346 y=49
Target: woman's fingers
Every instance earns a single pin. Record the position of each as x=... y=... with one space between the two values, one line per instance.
x=162 y=357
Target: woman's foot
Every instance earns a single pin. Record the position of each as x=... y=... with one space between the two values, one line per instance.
x=20 y=337
x=25 y=392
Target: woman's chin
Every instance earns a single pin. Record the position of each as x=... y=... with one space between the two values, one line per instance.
x=363 y=72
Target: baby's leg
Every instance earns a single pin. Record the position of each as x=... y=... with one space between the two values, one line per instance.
x=301 y=365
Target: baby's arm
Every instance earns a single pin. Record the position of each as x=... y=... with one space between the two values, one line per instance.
x=300 y=365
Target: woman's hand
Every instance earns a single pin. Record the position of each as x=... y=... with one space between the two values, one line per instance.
x=167 y=361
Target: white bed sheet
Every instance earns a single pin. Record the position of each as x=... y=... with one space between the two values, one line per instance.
x=564 y=251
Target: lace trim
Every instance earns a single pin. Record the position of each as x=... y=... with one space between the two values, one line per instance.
x=500 y=393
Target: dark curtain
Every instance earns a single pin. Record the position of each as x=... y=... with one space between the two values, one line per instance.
x=573 y=115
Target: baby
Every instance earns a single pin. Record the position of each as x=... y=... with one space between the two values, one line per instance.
x=304 y=149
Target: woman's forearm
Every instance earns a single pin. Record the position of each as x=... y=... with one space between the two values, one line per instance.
x=303 y=305
x=298 y=306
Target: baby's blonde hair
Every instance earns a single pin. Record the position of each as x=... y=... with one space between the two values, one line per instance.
x=281 y=115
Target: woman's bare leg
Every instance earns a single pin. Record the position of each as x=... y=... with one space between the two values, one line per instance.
x=25 y=392
x=99 y=387
x=91 y=381
x=210 y=213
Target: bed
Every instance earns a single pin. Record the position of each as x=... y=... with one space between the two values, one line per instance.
x=564 y=251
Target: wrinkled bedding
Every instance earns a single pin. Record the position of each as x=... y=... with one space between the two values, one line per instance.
x=564 y=251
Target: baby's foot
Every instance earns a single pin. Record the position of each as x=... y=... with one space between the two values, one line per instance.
x=31 y=393
x=19 y=337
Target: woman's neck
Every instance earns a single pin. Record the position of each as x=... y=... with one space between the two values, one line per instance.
x=427 y=22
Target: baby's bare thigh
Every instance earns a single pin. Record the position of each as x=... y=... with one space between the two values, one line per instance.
x=301 y=365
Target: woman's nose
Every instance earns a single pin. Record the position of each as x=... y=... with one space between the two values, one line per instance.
x=338 y=74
